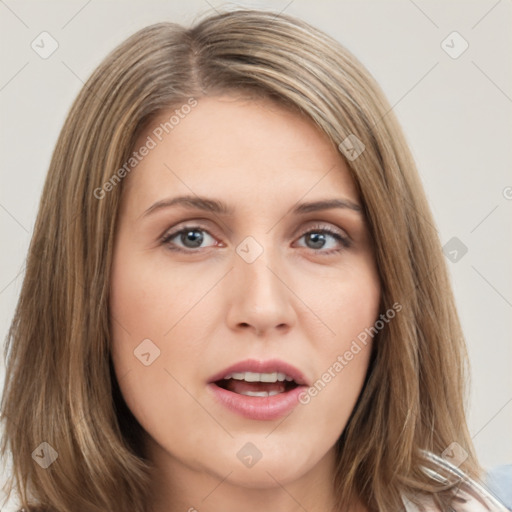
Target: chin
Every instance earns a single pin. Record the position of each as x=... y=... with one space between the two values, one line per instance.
x=266 y=475
x=271 y=463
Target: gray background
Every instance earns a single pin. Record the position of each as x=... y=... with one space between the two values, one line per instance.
x=456 y=114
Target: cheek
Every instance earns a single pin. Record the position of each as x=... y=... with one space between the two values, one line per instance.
x=350 y=309
x=150 y=299
x=347 y=304
x=155 y=343
x=153 y=300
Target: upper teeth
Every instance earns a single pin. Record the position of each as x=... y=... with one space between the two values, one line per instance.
x=259 y=377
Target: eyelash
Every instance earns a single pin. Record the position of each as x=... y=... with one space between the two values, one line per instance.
x=344 y=241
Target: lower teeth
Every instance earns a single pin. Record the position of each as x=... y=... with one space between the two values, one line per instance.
x=260 y=393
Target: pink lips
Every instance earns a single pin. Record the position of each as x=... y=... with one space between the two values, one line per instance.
x=257 y=407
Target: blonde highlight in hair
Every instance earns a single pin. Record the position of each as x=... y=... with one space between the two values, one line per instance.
x=60 y=387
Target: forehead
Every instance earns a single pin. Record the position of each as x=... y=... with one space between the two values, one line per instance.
x=238 y=148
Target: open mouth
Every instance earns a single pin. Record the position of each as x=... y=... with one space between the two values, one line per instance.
x=257 y=384
x=259 y=390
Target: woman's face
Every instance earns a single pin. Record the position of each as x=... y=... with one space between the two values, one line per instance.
x=205 y=298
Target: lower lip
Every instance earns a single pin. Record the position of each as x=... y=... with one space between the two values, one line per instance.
x=258 y=407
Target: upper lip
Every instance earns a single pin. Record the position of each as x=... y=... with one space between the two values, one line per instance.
x=268 y=366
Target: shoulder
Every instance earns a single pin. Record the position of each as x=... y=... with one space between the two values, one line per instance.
x=469 y=496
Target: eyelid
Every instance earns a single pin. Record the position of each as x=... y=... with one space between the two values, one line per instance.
x=321 y=226
x=203 y=224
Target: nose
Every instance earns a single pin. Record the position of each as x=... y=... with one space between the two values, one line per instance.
x=261 y=300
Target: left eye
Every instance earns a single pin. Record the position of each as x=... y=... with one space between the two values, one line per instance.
x=319 y=237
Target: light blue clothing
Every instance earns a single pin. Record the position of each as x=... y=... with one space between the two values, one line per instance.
x=499 y=483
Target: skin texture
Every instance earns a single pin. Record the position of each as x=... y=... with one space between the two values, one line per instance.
x=208 y=308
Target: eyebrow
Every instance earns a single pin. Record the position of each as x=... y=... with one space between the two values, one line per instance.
x=221 y=208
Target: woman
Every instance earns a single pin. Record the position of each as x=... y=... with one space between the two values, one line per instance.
x=235 y=296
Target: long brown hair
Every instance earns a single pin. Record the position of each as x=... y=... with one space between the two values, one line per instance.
x=59 y=387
